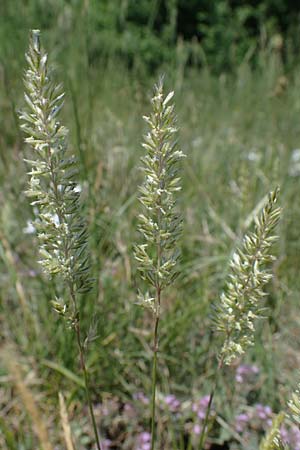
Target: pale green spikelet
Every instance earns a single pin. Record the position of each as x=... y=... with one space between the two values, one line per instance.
x=60 y=230
x=294 y=406
x=160 y=224
x=272 y=440
x=240 y=303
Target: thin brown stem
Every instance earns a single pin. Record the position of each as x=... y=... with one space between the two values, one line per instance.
x=208 y=409
x=86 y=383
x=154 y=380
x=83 y=366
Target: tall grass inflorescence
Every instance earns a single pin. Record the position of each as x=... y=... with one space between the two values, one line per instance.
x=160 y=225
x=240 y=303
x=60 y=229
x=62 y=235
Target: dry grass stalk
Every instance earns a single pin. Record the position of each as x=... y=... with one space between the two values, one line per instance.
x=65 y=422
x=28 y=399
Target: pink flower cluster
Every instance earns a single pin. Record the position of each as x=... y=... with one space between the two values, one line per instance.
x=143 y=441
x=245 y=373
x=260 y=417
x=291 y=436
x=172 y=402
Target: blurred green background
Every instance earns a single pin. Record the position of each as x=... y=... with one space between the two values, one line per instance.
x=145 y=34
x=234 y=66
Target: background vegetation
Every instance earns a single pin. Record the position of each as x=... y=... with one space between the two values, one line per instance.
x=235 y=68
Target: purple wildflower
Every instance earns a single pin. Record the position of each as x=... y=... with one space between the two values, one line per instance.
x=241 y=422
x=143 y=441
x=199 y=407
x=291 y=436
x=263 y=412
x=106 y=444
x=284 y=434
x=204 y=401
x=129 y=410
x=295 y=437
x=141 y=397
x=172 y=402
x=197 y=429
x=245 y=373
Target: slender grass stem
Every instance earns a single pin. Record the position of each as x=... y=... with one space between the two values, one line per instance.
x=83 y=365
x=87 y=384
x=208 y=409
x=154 y=382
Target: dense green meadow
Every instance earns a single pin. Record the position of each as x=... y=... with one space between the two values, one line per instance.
x=240 y=131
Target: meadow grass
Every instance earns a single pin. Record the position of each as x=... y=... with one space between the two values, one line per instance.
x=241 y=134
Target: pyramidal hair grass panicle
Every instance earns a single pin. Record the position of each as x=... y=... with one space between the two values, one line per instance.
x=160 y=223
x=60 y=229
x=240 y=303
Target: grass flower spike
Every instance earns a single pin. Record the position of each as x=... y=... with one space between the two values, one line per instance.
x=240 y=302
x=160 y=225
x=60 y=229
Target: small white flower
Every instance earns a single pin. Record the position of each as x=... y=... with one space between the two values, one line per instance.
x=30 y=228
x=254 y=156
